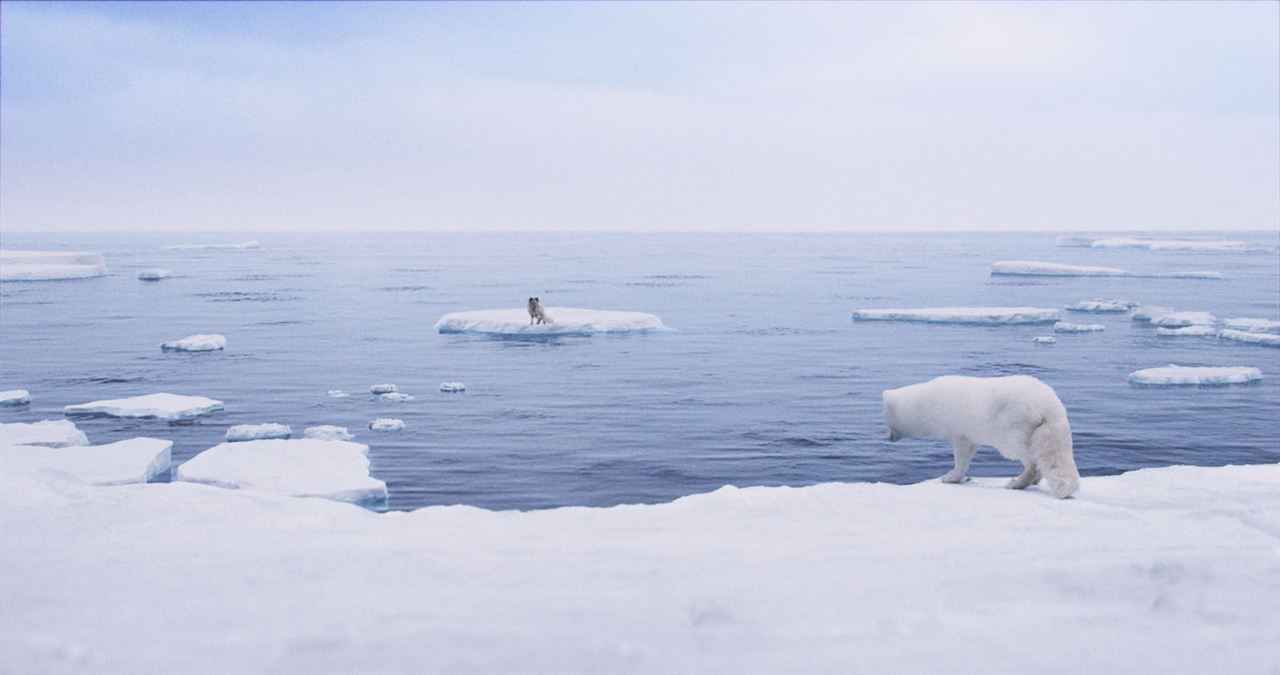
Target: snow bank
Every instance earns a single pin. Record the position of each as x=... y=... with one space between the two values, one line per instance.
x=1037 y=268
x=50 y=265
x=14 y=397
x=452 y=387
x=383 y=389
x=328 y=432
x=1264 y=339
x=964 y=315
x=568 y=321
x=254 y=432
x=1067 y=327
x=386 y=424
x=1044 y=340
x=1153 y=244
x=1181 y=319
x=395 y=396
x=136 y=460
x=1101 y=306
x=197 y=343
x=1195 y=375
x=214 y=247
x=1188 y=331
x=1154 y=571
x=1150 y=313
x=50 y=433
x=1253 y=325
x=163 y=406
x=337 y=470
x=154 y=274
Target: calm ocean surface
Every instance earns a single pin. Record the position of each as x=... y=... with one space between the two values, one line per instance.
x=766 y=381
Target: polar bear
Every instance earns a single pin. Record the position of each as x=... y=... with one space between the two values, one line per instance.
x=1019 y=416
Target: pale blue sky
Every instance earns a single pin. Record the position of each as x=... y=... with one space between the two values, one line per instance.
x=717 y=116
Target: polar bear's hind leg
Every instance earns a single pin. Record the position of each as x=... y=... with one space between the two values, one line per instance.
x=964 y=451
x=1029 y=476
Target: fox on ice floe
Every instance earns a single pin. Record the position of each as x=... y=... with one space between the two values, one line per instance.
x=1019 y=416
x=537 y=314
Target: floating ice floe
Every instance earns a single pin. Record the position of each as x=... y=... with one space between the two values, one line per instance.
x=1067 y=327
x=963 y=315
x=452 y=387
x=196 y=343
x=136 y=460
x=50 y=265
x=1101 y=306
x=337 y=393
x=256 y=432
x=567 y=321
x=328 y=432
x=1264 y=339
x=1037 y=268
x=49 y=433
x=155 y=274
x=172 y=407
x=15 y=397
x=395 y=396
x=1044 y=340
x=1195 y=375
x=1171 y=244
x=1150 y=313
x=1181 y=319
x=383 y=389
x=309 y=467
x=214 y=247
x=1253 y=325
x=386 y=424
x=1188 y=331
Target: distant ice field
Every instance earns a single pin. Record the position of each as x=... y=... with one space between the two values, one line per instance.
x=764 y=380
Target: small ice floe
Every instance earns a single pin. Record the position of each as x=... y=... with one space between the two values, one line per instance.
x=1067 y=327
x=196 y=343
x=1044 y=340
x=14 y=398
x=171 y=407
x=1150 y=313
x=154 y=274
x=1264 y=339
x=452 y=387
x=50 y=265
x=1174 y=375
x=328 y=432
x=49 y=433
x=308 y=467
x=1036 y=268
x=1181 y=319
x=566 y=321
x=394 y=396
x=386 y=424
x=1253 y=325
x=337 y=393
x=383 y=389
x=963 y=315
x=1153 y=244
x=256 y=432
x=1188 y=331
x=1101 y=306
x=245 y=245
x=136 y=460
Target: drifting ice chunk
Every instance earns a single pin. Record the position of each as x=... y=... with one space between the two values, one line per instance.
x=1221 y=245
x=1065 y=327
x=1188 y=331
x=254 y=432
x=136 y=460
x=1180 y=319
x=337 y=470
x=170 y=407
x=568 y=321
x=1183 y=375
x=1253 y=325
x=386 y=424
x=15 y=397
x=155 y=274
x=328 y=432
x=965 y=315
x=338 y=393
x=214 y=247
x=1103 y=306
x=395 y=396
x=452 y=387
x=196 y=343
x=382 y=389
x=1036 y=268
x=1044 y=340
x=1077 y=242
x=50 y=265
x=49 y=433
x=1264 y=339
x=1150 y=313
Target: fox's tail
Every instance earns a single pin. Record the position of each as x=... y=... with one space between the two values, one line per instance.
x=1051 y=450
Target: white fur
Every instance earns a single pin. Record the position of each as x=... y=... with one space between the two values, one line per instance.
x=1019 y=416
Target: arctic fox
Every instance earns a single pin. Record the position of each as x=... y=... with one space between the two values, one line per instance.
x=1019 y=416
x=537 y=314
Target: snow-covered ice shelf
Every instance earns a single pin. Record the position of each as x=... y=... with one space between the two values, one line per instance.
x=386 y=424
x=196 y=343
x=154 y=274
x=1037 y=268
x=254 y=432
x=1150 y=313
x=14 y=397
x=163 y=406
x=49 y=433
x=963 y=315
x=567 y=321
x=136 y=460
x=328 y=432
x=1174 y=375
x=1188 y=331
x=50 y=265
x=309 y=467
x=1182 y=319
x=1253 y=325
x=1264 y=339
x=1067 y=327
x=1101 y=306
x=452 y=387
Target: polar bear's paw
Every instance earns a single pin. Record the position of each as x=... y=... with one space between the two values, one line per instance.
x=953 y=477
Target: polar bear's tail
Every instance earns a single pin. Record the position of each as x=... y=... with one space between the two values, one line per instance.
x=1051 y=449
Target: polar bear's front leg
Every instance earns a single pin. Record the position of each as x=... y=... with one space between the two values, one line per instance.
x=964 y=451
x=1029 y=476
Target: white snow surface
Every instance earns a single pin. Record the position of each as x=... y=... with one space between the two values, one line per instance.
x=1051 y=269
x=1188 y=331
x=197 y=343
x=1153 y=571
x=567 y=321
x=965 y=315
x=1067 y=327
x=1181 y=319
x=382 y=389
x=395 y=396
x=386 y=424
x=50 y=265
x=1253 y=325
x=254 y=432
x=1174 y=375
x=1101 y=306
x=15 y=397
x=308 y=467
x=1150 y=313
x=244 y=245
x=49 y=433
x=328 y=432
x=163 y=406
x=136 y=460
x=1044 y=340
x=1264 y=339
x=154 y=274
x=1155 y=244
x=338 y=393
x=452 y=387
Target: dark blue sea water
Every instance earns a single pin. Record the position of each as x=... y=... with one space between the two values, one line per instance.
x=765 y=382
